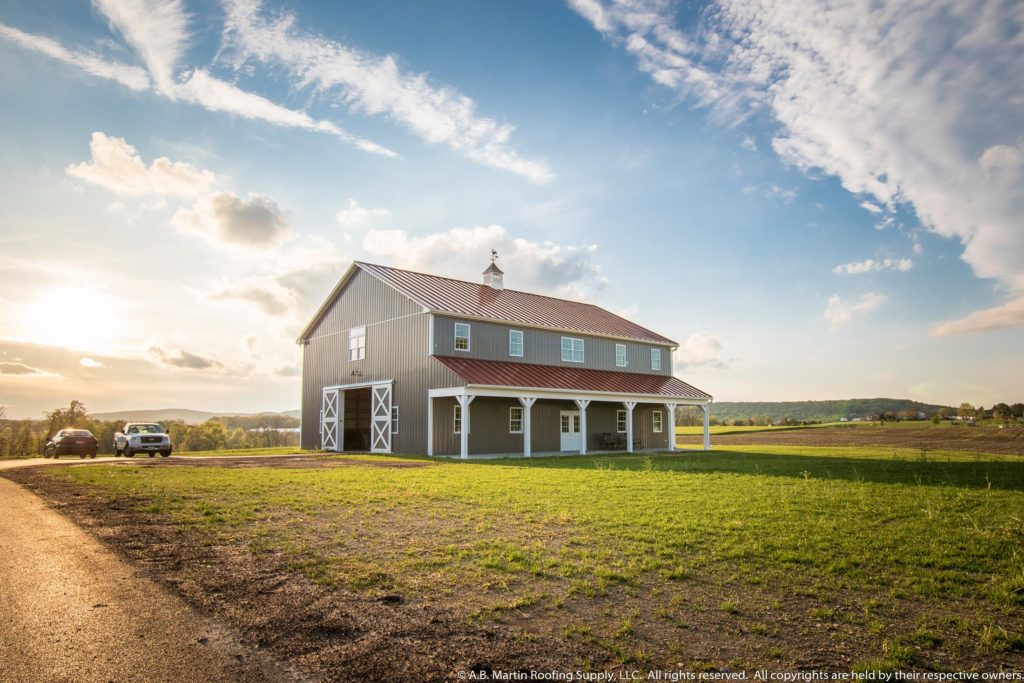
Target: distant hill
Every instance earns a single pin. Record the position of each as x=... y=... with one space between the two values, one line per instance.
x=819 y=411
x=184 y=414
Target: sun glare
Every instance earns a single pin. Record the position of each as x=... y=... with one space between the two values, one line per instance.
x=85 y=319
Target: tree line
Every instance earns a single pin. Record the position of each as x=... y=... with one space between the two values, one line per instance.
x=25 y=438
x=1000 y=413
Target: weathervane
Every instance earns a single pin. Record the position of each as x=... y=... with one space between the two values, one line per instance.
x=494 y=255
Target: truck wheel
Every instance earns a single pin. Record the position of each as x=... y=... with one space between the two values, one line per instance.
x=93 y=454
x=151 y=454
x=164 y=454
x=81 y=456
x=118 y=453
x=129 y=453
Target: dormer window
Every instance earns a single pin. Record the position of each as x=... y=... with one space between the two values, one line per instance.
x=620 y=356
x=655 y=359
x=462 y=336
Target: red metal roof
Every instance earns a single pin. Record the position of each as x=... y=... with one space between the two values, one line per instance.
x=528 y=375
x=459 y=297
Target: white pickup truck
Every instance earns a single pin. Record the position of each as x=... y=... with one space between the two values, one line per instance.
x=142 y=437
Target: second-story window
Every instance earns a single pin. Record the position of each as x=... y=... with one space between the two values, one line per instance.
x=655 y=359
x=515 y=343
x=461 y=336
x=572 y=350
x=620 y=355
x=357 y=343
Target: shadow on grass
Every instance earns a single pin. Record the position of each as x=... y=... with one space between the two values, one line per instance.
x=982 y=472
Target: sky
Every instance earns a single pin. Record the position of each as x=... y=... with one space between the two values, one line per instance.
x=816 y=200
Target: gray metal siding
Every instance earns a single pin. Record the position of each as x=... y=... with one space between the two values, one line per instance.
x=396 y=349
x=489 y=341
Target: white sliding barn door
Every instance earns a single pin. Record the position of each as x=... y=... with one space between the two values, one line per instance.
x=380 y=420
x=330 y=419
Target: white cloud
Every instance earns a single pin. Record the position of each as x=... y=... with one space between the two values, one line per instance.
x=355 y=215
x=226 y=220
x=749 y=143
x=376 y=85
x=217 y=95
x=156 y=29
x=629 y=311
x=116 y=165
x=130 y=76
x=1000 y=317
x=169 y=356
x=906 y=103
x=87 y=362
x=869 y=265
x=871 y=206
x=700 y=350
x=564 y=270
x=785 y=194
x=838 y=312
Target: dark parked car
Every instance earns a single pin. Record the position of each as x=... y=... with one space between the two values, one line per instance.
x=78 y=442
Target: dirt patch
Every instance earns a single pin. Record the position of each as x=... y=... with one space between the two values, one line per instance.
x=286 y=461
x=1007 y=441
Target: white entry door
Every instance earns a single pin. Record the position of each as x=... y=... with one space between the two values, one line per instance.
x=570 y=427
x=380 y=421
x=330 y=420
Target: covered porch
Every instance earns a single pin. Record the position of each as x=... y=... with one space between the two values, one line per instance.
x=479 y=421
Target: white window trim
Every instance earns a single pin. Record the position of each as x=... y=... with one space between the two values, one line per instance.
x=625 y=356
x=522 y=343
x=394 y=419
x=469 y=340
x=624 y=421
x=657 y=422
x=511 y=411
x=655 y=353
x=457 y=419
x=572 y=350
x=360 y=351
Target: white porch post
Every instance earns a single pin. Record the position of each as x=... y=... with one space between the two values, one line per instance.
x=582 y=404
x=527 y=403
x=430 y=424
x=464 y=402
x=629 y=424
x=707 y=426
x=671 y=408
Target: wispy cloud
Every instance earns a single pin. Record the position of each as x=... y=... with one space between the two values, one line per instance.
x=217 y=95
x=173 y=357
x=130 y=76
x=905 y=103
x=158 y=32
x=23 y=370
x=156 y=29
x=839 y=312
x=376 y=85
x=117 y=166
x=869 y=265
x=1000 y=317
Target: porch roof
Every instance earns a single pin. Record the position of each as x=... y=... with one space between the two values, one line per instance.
x=529 y=376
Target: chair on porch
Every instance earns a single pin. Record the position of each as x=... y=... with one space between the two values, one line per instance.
x=608 y=442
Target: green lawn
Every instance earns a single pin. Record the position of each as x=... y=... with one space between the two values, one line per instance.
x=888 y=543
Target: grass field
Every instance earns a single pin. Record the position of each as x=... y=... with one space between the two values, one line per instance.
x=873 y=558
